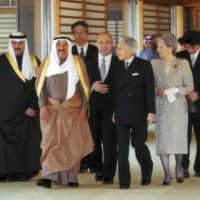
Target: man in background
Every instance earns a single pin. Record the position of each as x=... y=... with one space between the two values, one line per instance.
x=88 y=52
x=191 y=44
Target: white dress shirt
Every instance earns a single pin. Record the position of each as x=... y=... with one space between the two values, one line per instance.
x=85 y=47
x=194 y=57
x=129 y=61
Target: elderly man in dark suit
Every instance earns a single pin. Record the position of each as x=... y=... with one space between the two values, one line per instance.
x=191 y=43
x=134 y=108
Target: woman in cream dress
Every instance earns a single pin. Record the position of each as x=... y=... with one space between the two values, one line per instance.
x=173 y=81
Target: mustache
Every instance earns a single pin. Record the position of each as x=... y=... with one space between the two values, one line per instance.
x=17 y=49
x=61 y=50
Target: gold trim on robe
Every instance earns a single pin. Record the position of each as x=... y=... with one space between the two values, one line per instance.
x=80 y=72
x=82 y=77
x=15 y=67
x=35 y=63
x=39 y=82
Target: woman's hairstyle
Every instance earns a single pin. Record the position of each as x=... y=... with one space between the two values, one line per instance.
x=170 y=41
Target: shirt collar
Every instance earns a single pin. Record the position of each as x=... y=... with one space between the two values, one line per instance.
x=107 y=57
x=129 y=60
x=85 y=47
x=195 y=55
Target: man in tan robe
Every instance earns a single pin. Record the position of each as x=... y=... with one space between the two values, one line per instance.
x=63 y=90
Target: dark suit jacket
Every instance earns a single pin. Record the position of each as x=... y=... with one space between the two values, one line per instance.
x=99 y=102
x=90 y=56
x=134 y=92
x=196 y=74
x=184 y=54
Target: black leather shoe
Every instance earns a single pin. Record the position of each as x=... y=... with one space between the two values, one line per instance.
x=166 y=183
x=186 y=174
x=146 y=181
x=98 y=176
x=108 y=181
x=197 y=174
x=179 y=179
x=3 y=178
x=71 y=184
x=124 y=186
x=146 y=177
x=44 y=183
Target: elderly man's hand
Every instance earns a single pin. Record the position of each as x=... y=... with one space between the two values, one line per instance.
x=113 y=118
x=159 y=92
x=151 y=118
x=30 y=112
x=193 y=96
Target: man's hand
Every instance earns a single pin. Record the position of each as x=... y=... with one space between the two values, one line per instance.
x=30 y=112
x=113 y=118
x=99 y=87
x=193 y=96
x=44 y=114
x=159 y=92
x=151 y=118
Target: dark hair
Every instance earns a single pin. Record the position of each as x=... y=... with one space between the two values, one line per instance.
x=191 y=37
x=80 y=23
x=17 y=35
x=181 y=41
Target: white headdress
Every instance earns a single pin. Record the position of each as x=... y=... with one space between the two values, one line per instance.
x=27 y=66
x=67 y=66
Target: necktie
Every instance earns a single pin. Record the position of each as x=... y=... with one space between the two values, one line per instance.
x=126 y=65
x=82 y=53
x=193 y=60
x=102 y=69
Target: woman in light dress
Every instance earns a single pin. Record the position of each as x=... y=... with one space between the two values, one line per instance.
x=173 y=81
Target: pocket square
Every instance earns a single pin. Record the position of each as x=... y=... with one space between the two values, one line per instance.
x=135 y=74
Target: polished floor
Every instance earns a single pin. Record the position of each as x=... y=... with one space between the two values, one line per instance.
x=91 y=190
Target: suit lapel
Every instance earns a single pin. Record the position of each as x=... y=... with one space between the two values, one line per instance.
x=197 y=63
x=112 y=64
x=88 y=51
x=124 y=75
x=172 y=71
x=133 y=66
x=75 y=50
x=161 y=71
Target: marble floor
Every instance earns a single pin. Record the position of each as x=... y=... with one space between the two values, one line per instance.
x=91 y=190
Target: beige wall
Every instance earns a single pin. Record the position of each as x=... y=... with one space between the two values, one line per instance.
x=37 y=30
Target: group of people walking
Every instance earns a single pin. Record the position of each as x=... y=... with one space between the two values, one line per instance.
x=82 y=104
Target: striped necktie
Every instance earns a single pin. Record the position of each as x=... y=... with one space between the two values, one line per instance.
x=103 y=69
x=82 y=53
x=126 y=65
